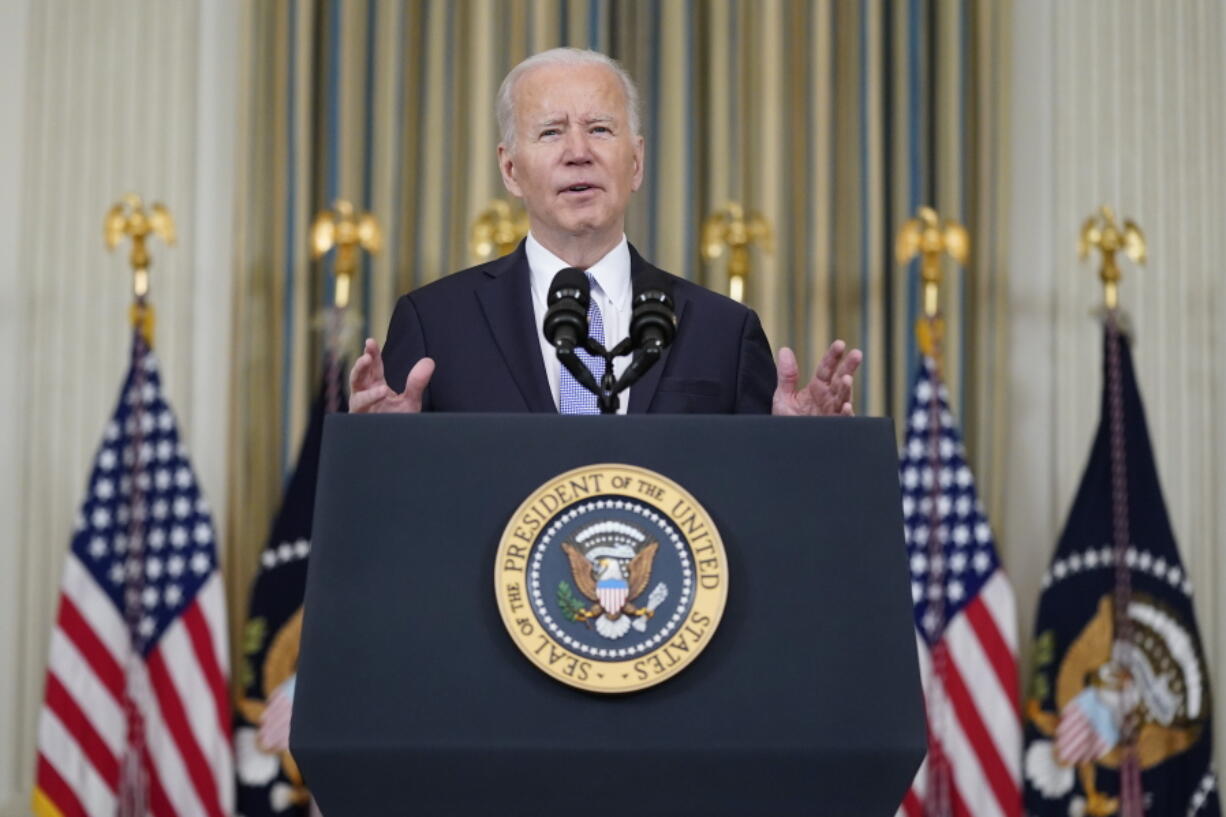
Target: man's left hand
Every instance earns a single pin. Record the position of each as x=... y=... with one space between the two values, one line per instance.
x=828 y=393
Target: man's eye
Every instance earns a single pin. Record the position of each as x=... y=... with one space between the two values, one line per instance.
x=549 y=132
x=602 y=129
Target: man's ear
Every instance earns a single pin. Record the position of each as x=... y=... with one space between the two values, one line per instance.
x=506 y=166
x=639 y=153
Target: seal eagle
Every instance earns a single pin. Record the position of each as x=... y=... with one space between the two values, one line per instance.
x=611 y=577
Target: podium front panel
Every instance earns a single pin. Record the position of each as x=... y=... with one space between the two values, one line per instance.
x=413 y=699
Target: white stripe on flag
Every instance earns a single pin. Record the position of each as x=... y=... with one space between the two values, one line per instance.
x=920 y=784
x=164 y=755
x=102 y=711
x=968 y=776
x=198 y=703
x=994 y=704
x=921 y=777
x=212 y=601
x=64 y=753
x=97 y=608
x=925 y=661
x=997 y=595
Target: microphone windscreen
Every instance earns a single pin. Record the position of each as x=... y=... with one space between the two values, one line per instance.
x=565 y=324
x=570 y=282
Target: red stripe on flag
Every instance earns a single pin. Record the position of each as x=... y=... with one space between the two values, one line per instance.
x=65 y=707
x=177 y=724
x=911 y=805
x=202 y=643
x=159 y=803
x=995 y=647
x=56 y=790
x=97 y=654
x=956 y=804
x=1003 y=785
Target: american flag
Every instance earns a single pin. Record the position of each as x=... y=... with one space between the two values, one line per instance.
x=965 y=622
x=136 y=719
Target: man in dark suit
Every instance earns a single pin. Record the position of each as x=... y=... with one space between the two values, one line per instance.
x=572 y=150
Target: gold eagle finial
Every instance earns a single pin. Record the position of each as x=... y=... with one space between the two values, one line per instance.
x=128 y=217
x=346 y=229
x=497 y=230
x=930 y=238
x=737 y=230
x=1101 y=231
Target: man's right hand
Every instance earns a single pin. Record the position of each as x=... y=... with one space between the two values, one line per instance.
x=368 y=389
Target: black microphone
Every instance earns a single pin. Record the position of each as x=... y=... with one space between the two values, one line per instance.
x=653 y=323
x=565 y=323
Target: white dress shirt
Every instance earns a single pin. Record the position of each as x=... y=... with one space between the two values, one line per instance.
x=611 y=292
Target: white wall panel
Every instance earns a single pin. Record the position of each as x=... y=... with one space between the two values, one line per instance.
x=1120 y=102
x=15 y=369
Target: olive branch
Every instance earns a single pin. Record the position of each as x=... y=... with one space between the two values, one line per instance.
x=570 y=606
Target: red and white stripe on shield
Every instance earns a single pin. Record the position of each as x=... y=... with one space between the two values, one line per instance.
x=612 y=594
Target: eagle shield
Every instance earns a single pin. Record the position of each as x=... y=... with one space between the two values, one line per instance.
x=612 y=594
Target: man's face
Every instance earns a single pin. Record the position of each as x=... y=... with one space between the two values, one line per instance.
x=575 y=161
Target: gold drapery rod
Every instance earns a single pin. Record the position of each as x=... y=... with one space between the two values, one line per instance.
x=732 y=228
x=930 y=238
x=1101 y=231
x=128 y=217
x=348 y=230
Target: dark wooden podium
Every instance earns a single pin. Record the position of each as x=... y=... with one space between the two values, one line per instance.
x=412 y=698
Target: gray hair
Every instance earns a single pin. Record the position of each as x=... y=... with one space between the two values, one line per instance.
x=562 y=56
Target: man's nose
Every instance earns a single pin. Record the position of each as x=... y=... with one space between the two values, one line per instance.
x=578 y=148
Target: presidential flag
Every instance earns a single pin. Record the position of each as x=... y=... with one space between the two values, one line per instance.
x=136 y=718
x=269 y=782
x=1118 y=708
x=965 y=622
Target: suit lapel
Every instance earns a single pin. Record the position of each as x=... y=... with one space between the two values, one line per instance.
x=506 y=300
x=642 y=392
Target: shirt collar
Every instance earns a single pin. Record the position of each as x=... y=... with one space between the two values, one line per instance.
x=612 y=272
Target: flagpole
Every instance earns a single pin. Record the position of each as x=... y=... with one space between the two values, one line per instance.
x=1101 y=231
x=129 y=218
x=927 y=237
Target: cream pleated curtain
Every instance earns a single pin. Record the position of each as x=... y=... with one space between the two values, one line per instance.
x=835 y=120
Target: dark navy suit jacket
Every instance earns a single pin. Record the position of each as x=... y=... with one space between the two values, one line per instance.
x=478 y=326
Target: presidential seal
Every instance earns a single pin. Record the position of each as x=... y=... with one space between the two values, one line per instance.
x=611 y=578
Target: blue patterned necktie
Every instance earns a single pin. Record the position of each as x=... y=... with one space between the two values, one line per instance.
x=572 y=397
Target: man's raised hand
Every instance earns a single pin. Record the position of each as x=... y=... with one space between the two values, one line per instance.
x=369 y=392
x=828 y=393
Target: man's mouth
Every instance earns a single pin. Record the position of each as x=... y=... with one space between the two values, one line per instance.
x=579 y=188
